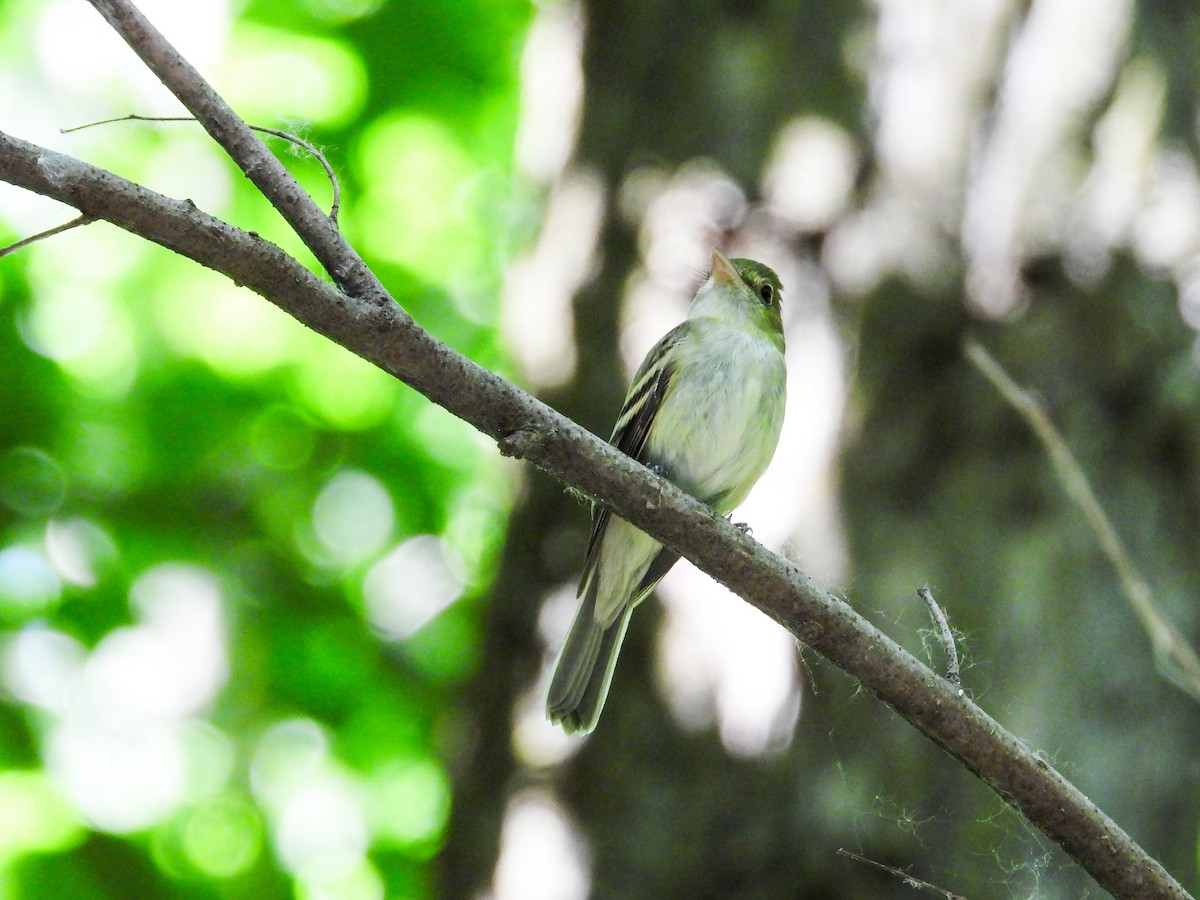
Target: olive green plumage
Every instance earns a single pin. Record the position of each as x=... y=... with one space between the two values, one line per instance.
x=705 y=408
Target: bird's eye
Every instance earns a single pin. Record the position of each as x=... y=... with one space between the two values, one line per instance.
x=767 y=293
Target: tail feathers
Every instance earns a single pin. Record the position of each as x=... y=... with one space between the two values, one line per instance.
x=585 y=668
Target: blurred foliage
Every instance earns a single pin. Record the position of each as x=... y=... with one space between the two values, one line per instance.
x=237 y=564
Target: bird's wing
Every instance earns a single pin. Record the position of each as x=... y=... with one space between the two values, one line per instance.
x=642 y=403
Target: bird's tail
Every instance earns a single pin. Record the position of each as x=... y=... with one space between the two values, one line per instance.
x=584 y=668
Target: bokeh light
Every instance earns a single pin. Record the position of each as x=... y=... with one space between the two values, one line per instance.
x=415 y=211
x=122 y=745
x=276 y=74
x=222 y=837
x=541 y=858
x=37 y=818
x=410 y=585
x=278 y=513
x=409 y=803
x=41 y=666
x=28 y=583
x=353 y=516
x=314 y=807
x=79 y=549
x=32 y=482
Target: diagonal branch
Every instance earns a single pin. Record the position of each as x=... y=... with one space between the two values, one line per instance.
x=296 y=140
x=238 y=139
x=43 y=235
x=365 y=319
x=1175 y=658
x=383 y=334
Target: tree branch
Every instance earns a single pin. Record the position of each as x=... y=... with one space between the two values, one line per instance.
x=43 y=235
x=363 y=318
x=944 y=633
x=1174 y=657
x=334 y=206
x=387 y=337
x=238 y=139
x=912 y=881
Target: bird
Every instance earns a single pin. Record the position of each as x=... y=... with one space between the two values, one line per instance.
x=704 y=410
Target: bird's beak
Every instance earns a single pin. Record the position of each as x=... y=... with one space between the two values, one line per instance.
x=722 y=268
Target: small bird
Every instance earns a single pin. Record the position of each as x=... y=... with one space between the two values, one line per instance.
x=704 y=410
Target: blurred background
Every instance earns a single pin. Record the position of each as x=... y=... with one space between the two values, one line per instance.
x=273 y=625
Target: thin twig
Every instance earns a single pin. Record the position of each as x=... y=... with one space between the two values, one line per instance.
x=910 y=880
x=42 y=235
x=1173 y=657
x=334 y=208
x=947 y=635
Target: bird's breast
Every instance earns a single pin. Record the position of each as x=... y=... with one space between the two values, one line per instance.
x=721 y=418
